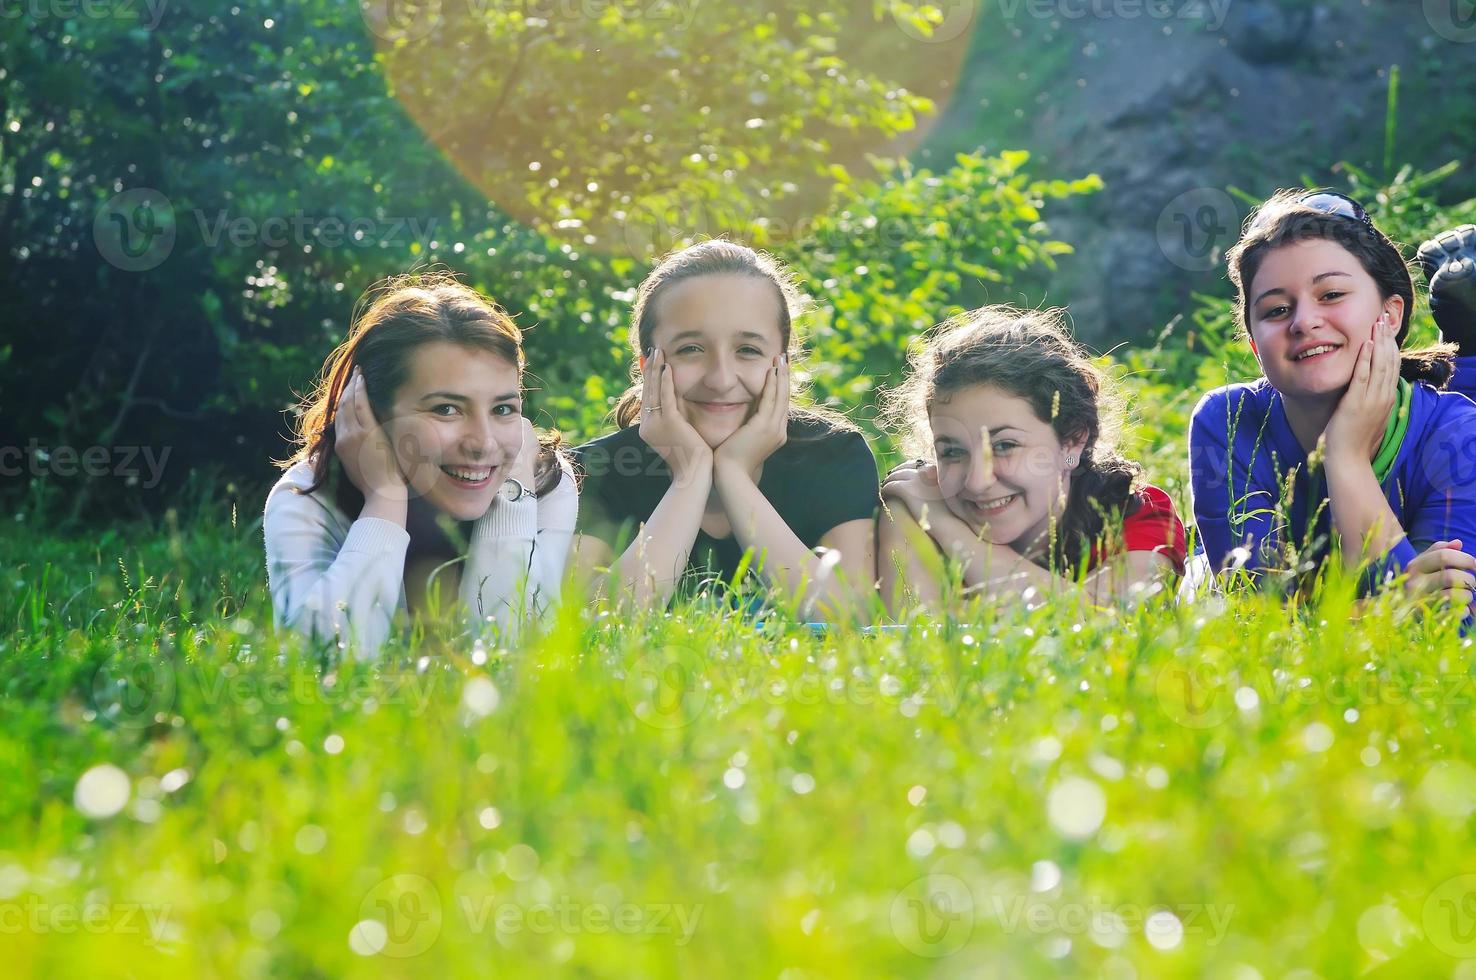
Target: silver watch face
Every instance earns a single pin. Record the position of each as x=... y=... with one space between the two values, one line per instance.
x=513 y=490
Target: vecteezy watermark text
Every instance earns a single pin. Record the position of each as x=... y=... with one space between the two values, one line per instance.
x=95 y=462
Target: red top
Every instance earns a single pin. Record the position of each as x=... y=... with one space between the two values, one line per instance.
x=1152 y=524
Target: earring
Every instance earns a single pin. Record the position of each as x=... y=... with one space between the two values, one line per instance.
x=1071 y=461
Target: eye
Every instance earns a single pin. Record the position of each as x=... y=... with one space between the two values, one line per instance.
x=1005 y=446
x=750 y=350
x=688 y=349
x=1334 y=294
x=506 y=409
x=951 y=453
x=1275 y=312
x=447 y=414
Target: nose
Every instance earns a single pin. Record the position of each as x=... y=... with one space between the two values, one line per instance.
x=1306 y=319
x=981 y=473
x=477 y=438
x=719 y=374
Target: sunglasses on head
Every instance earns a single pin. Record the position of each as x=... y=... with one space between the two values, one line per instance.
x=1331 y=202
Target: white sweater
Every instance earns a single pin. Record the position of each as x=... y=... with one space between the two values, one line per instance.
x=331 y=577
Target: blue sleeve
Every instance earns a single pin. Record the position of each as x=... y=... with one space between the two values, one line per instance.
x=1228 y=511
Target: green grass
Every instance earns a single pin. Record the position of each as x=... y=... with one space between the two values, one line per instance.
x=691 y=796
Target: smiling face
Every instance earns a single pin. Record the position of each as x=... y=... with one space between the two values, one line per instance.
x=457 y=427
x=720 y=333
x=1311 y=306
x=1001 y=468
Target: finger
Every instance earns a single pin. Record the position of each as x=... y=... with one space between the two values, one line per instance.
x=782 y=395
x=648 y=368
x=1454 y=558
x=1364 y=367
x=1454 y=578
x=668 y=401
x=363 y=414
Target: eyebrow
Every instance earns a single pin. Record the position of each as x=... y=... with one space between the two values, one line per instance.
x=1315 y=280
x=451 y=396
x=749 y=334
x=992 y=432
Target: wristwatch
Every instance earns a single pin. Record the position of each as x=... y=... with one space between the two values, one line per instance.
x=513 y=491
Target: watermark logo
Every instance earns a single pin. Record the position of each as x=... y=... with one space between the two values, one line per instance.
x=135 y=230
x=936 y=23
x=399 y=917
x=1195 y=693
x=1449 y=916
x=933 y=916
x=665 y=688
x=1454 y=20
x=398 y=21
x=130 y=691
x=1196 y=227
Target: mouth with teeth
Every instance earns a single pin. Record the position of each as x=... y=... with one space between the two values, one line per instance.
x=992 y=507
x=469 y=477
x=1312 y=353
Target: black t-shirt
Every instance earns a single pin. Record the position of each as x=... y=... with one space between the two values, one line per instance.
x=819 y=479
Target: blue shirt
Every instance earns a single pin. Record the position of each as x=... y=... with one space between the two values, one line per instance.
x=1242 y=452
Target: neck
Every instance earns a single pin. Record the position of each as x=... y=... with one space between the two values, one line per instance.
x=1308 y=417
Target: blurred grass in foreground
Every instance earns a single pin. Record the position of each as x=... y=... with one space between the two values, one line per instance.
x=1224 y=789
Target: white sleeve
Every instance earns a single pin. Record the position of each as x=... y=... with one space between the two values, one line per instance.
x=516 y=557
x=327 y=587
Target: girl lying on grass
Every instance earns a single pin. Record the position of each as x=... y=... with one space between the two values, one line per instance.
x=1024 y=488
x=711 y=459
x=1345 y=440
x=416 y=463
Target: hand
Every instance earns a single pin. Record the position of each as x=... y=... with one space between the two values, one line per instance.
x=915 y=485
x=768 y=429
x=524 y=466
x=362 y=446
x=664 y=428
x=1449 y=263
x=1445 y=572
x=1357 y=426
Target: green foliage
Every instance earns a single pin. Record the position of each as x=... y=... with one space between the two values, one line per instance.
x=891 y=259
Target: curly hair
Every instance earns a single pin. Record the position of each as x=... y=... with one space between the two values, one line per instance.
x=1028 y=354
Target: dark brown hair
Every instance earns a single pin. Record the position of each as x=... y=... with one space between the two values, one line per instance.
x=1030 y=355
x=393 y=319
x=1284 y=219
x=717 y=257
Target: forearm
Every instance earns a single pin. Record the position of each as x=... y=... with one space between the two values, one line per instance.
x=911 y=568
x=495 y=582
x=1364 y=522
x=782 y=558
x=652 y=565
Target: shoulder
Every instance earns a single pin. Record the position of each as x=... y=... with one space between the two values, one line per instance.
x=819 y=433
x=617 y=452
x=1152 y=523
x=1229 y=400
x=289 y=492
x=1150 y=503
x=1443 y=406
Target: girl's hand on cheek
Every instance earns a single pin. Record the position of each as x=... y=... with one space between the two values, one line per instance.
x=363 y=447
x=524 y=468
x=758 y=438
x=1357 y=426
x=664 y=428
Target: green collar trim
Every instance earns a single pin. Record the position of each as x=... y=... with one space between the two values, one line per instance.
x=1383 y=461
